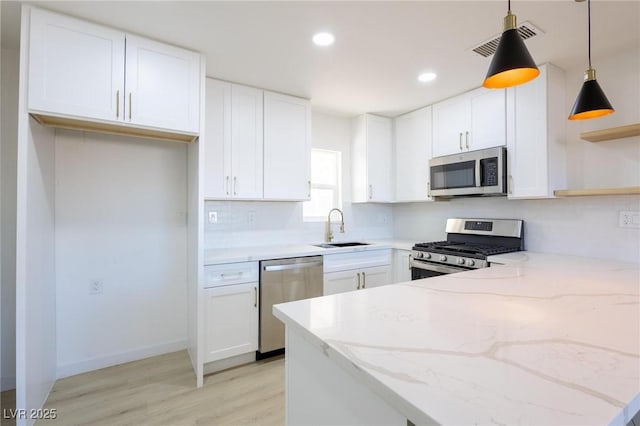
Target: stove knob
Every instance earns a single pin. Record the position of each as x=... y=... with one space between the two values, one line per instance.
x=443 y=258
x=460 y=261
x=471 y=262
x=419 y=255
x=427 y=255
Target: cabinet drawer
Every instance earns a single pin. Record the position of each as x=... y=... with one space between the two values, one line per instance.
x=357 y=260
x=230 y=273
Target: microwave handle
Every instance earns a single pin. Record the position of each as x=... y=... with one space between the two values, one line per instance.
x=478 y=183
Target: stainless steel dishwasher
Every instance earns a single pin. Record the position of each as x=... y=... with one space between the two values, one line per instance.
x=284 y=280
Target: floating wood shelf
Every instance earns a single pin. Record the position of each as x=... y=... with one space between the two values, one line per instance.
x=612 y=133
x=629 y=190
x=113 y=129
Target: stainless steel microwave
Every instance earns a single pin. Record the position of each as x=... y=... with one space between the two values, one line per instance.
x=479 y=173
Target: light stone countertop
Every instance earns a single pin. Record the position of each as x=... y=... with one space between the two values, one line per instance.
x=246 y=254
x=547 y=339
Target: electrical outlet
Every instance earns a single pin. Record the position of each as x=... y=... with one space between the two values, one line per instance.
x=95 y=287
x=213 y=217
x=629 y=219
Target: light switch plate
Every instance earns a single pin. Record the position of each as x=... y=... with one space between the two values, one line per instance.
x=213 y=217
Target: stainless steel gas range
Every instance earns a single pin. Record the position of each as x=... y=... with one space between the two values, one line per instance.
x=469 y=242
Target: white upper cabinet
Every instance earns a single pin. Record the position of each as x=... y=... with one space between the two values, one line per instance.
x=246 y=142
x=163 y=85
x=82 y=71
x=287 y=147
x=217 y=140
x=468 y=122
x=233 y=141
x=412 y=143
x=75 y=67
x=371 y=159
x=536 y=150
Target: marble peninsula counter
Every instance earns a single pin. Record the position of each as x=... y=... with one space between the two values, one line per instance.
x=540 y=339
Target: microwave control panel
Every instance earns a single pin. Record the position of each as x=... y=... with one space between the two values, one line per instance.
x=489 y=168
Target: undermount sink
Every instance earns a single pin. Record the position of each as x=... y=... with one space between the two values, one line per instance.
x=336 y=245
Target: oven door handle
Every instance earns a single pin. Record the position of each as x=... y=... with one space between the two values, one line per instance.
x=445 y=269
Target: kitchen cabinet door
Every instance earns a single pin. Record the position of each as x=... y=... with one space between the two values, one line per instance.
x=450 y=123
x=536 y=150
x=75 y=68
x=488 y=127
x=246 y=142
x=413 y=136
x=230 y=321
x=163 y=85
x=375 y=277
x=401 y=266
x=217 y=140
x=371 y=154
x=287 y=147
x=339 y=282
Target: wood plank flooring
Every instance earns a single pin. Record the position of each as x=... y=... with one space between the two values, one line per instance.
x=161 y=391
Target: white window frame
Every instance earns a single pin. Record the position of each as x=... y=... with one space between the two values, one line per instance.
x=337 y=187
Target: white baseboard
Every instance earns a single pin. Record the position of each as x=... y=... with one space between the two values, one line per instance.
x=120 y=358
x=226 y=363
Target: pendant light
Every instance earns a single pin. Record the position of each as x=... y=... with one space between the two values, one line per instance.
x=591 y=101
x=511 y=64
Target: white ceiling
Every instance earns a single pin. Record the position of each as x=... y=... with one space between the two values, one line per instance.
x=380 y=46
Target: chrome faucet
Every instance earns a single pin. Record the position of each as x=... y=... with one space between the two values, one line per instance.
x=329 y=234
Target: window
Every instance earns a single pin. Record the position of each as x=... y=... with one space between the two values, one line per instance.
x=326 y=178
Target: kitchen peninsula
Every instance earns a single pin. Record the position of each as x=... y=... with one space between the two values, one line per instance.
x=540 y=339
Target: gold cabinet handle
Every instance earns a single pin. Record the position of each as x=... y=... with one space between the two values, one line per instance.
x=255 y=297
x=460 y=141
x=309 y=183
x=364 y=280
x=117 y=103
x=466 y=139
x=227 y=185
x=235 y=185
x=358 y=288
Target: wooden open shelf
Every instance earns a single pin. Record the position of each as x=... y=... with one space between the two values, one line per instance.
x=612 y=133
x=629 y=190
x=111 y=128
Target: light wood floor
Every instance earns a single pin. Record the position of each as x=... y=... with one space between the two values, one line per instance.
x=161 y=391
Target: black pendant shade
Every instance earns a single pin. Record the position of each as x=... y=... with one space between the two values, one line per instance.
x=591 y=102
x=511 y=64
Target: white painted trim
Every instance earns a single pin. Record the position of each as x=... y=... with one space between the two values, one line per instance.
x=224 y=364
x=97 y=363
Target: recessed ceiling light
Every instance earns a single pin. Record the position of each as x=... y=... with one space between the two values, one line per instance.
x=427 y=76
x=324 y=39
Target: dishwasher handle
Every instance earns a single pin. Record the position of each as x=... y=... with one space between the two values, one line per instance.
x=290 y=266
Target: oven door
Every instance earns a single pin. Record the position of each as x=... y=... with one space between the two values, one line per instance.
x=421 y=269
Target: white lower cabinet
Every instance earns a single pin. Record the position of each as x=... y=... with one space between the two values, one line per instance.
x=231 y=321
x=401 y=266
x=230 y=310
x=356 y=271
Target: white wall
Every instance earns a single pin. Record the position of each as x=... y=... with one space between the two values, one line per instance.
x=243 y=223
x=582 y=226
x=8 y=149
x=120 y=217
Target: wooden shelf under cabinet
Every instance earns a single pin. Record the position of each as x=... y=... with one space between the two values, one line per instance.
x=629 y=190
x=612 y=133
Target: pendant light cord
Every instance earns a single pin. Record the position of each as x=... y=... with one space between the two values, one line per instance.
x=509 y=5
x=589 y=26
